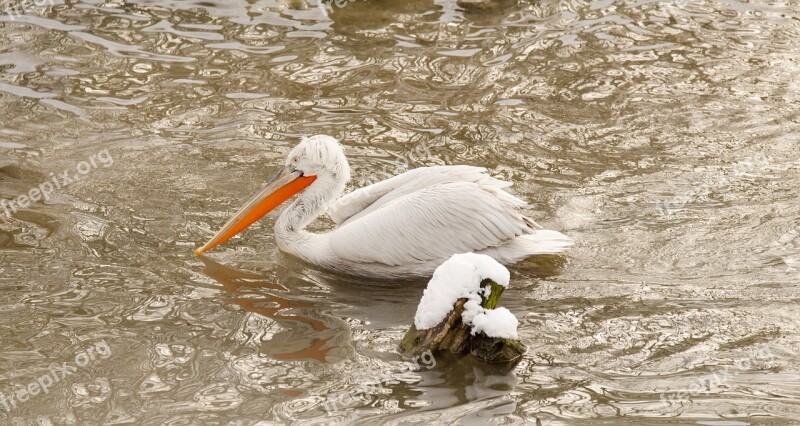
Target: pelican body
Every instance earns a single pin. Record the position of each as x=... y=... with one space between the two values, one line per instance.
x=401 y=227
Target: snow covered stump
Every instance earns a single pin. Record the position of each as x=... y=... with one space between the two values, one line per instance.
x=458 y=313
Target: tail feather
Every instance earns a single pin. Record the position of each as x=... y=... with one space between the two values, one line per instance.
x=546 y=241
x=542 y=241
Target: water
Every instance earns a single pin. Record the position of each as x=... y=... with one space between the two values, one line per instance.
x=661 y=136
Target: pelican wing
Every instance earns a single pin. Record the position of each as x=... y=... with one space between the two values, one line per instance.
x=369 y=198
x=431 y=223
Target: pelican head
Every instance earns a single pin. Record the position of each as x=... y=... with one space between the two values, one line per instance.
x=320 y=156
x=317 y=163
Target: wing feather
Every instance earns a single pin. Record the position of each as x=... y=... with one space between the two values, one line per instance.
x=431 y=223
x=365 y=200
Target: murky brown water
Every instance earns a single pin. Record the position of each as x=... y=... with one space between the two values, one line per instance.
x=662 y=136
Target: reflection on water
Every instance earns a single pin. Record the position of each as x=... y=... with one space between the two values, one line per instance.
x=662 y=136
x=304 y=336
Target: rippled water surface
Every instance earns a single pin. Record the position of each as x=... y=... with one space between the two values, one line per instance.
x=661 y=136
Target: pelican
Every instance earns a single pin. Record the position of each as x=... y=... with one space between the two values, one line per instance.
x=402 y=227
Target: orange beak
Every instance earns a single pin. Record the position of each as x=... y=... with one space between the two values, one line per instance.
x=283 y=186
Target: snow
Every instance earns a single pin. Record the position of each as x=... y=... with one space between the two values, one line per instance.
x=460 y=277
x=498 y=322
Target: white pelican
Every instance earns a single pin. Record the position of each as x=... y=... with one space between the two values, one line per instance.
x=404 y=226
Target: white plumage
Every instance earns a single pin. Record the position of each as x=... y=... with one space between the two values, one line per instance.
x=407 y=225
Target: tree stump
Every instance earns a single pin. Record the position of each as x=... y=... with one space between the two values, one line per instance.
x=453 y=336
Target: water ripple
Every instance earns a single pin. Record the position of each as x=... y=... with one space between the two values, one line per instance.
x=660 y=135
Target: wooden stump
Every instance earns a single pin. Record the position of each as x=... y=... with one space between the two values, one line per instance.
x=453 y=336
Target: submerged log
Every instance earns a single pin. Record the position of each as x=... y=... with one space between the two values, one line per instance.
x=453 y=336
